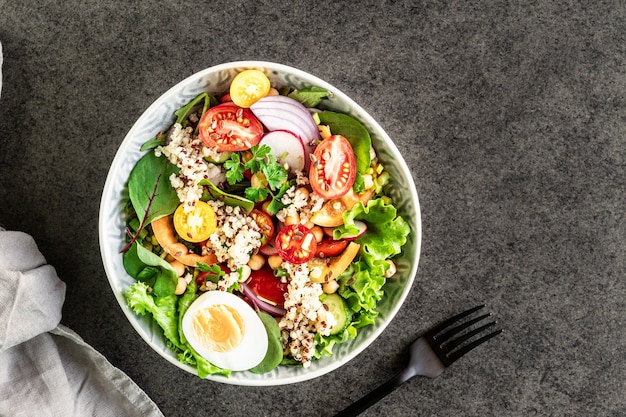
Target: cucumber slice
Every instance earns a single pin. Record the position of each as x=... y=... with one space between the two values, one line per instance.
x=339 y=309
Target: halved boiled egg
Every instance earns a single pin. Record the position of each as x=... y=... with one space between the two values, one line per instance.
x=226 y=331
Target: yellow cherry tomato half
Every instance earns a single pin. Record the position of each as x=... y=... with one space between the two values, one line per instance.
x=197 y=224
x=248 y=86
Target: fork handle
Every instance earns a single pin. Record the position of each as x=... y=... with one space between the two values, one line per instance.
x=376 y=394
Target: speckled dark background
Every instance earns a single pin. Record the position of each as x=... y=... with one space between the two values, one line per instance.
x=511 y=115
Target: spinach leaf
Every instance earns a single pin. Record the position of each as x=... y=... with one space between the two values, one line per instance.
x=132 y=263
x=166 y=279
x=138 y=269
x=354 y=131
x=158 y=140
x=310 y=96
x=274 y=355
x=181 y=114
x=181 y=117
x=150 y=190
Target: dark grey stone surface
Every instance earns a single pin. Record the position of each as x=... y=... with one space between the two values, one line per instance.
x=511 y=115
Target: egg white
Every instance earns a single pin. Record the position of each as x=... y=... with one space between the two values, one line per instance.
x=253 y=347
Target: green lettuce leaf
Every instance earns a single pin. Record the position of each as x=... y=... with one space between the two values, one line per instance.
x=163 y=309
x=360 y=288
x=361 y=285
x=386 y=232
x=324 y=344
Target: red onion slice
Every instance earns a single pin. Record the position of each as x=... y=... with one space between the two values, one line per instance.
x=285 y=113
x=276 y=311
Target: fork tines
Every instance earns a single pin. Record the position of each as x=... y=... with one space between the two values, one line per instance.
x=449 y=349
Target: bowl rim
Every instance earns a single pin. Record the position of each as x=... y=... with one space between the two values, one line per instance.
x=333 y=363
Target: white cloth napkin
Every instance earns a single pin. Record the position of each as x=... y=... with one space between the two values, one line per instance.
x=45 y=368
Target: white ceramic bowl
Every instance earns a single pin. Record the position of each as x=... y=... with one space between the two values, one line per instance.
x=158 y=117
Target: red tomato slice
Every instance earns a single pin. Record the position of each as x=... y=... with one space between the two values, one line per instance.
x=333 y=167
x=296 y=243
x=228 y=128
x=329 y=247
x=264 y=221
x=268 y=287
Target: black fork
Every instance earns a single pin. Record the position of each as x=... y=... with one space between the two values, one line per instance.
x=431 y=354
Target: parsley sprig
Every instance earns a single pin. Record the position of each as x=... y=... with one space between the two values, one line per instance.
x=263 y=164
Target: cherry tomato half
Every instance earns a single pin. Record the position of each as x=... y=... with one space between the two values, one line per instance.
x=296 y=243
x=227 y=127
x=333 y=167
x=329 y=247
x=248 y=86
x=268 y=287
x=195 y=225
x=265 y=223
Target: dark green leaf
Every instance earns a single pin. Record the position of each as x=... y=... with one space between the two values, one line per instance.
x=310 y=96
x=182 y=113
x=166 y=279
x=274 y=355
x=148 y=275
x=132 y=263
x=158 y=140
x=150 y=190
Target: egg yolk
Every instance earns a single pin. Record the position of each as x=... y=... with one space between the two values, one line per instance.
x=218 y=327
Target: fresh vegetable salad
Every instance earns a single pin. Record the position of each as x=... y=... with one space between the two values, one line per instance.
x=259 y=233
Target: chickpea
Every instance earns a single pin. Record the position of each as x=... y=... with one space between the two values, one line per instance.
x=256 y=262
x=392 y=269
x=178 y=266
x=293 y=218
x=274 y=261
x=318 y=232
x=258 y=180
x=181 y=286
x=304 y=192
